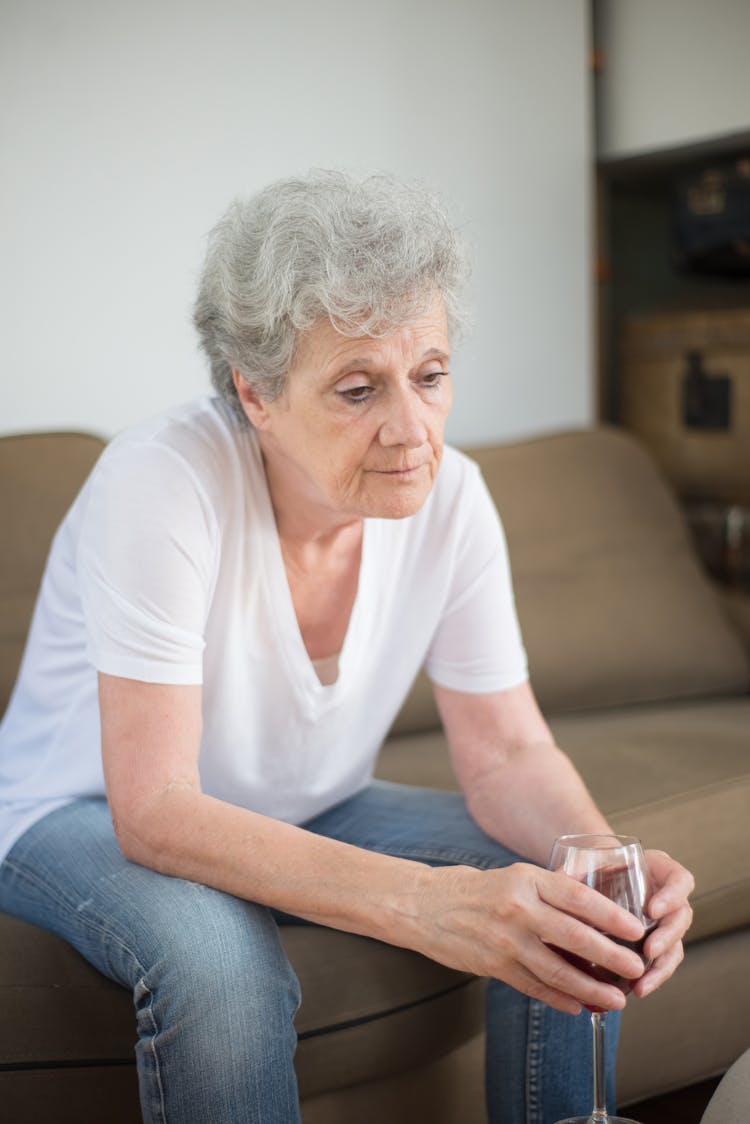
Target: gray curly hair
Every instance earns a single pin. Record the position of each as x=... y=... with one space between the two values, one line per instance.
x=367 y=254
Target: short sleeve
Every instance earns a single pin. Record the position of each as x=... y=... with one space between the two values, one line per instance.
x=146 y=560
x=477 y=646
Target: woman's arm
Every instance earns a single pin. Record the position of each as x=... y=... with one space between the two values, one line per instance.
x=519 y=787
x=524 y=791
x=150 y=745
x=494 y=923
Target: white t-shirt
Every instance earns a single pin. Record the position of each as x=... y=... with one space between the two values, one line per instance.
x=168 y=569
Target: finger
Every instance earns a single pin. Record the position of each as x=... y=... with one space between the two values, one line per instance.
x=527 y=982
x=673 y=884
x=669 y=931
x=557 y=973
x=660 y=971
x=573 y=897
x=577 y=939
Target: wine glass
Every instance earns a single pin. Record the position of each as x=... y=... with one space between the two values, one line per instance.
x=615 y=866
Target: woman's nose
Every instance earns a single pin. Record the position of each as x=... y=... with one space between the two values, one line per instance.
x=403 y=423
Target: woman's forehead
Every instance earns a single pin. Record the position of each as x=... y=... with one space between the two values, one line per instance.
x=421 y=337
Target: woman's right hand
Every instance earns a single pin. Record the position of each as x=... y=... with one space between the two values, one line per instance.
x=500 y=923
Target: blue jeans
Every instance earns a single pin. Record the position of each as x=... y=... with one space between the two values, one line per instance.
x=215 y=996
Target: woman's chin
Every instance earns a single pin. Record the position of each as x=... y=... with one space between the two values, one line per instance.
x=397 y=502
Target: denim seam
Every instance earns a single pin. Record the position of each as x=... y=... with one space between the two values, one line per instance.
x=153 y=1049
x=534 y=1064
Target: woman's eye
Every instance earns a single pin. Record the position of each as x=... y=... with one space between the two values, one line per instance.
x=432 y=378
x=356 y=394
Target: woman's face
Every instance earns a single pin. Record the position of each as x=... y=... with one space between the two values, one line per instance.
x=358 y=430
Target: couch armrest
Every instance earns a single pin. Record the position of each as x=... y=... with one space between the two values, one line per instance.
x=736 y=605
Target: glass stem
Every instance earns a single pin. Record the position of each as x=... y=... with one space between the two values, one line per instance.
x=599 y=1115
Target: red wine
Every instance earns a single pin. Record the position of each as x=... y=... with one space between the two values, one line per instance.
x=617 y=884
x=604 y=975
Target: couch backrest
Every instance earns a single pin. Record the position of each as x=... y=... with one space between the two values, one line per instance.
x=613 y=604
x=40 y=474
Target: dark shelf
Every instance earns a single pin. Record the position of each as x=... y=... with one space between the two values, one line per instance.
x=638 y=272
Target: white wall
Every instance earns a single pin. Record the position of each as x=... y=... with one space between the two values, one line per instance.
x=125 y=128
x=676 y=73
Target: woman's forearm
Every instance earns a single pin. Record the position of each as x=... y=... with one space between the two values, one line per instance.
x=480 y=921
x=533 y=795
x=151 y=735
x=187 y=834
x=519 y=786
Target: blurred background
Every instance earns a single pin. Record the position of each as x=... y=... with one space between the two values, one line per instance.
x=125 y=129
x=554 y=129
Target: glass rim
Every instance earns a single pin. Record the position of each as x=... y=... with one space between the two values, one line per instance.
x=611 y=842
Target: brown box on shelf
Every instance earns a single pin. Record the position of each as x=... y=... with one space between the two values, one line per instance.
x=685 y=390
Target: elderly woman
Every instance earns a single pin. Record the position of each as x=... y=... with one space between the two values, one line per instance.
x=232 y=613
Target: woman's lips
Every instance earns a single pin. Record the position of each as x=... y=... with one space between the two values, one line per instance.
x=398 y=471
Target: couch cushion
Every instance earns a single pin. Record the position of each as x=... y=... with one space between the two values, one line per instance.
x=677 y=776
x=613 y=605
x=40 y=474
x=368 y=1009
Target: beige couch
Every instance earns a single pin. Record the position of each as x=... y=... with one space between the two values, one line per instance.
x=643 y=671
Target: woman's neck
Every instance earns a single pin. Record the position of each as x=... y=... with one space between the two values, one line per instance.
x=302 y=520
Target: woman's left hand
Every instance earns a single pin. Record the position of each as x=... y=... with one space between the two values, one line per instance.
x=669 y=906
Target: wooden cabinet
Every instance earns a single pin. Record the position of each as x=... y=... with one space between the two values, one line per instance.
x=658 y=323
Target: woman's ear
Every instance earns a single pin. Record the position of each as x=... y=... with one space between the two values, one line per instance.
x=252 y=404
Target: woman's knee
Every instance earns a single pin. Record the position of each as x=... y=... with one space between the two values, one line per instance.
x=218 y=951
x=217 y=997
x=215 y=1009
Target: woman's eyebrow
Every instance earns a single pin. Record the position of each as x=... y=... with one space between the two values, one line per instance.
x=370 y=363
x=356 y=364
